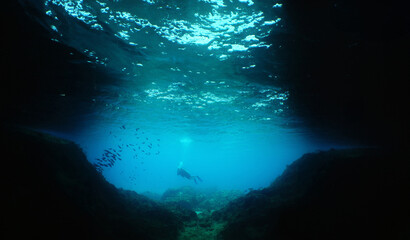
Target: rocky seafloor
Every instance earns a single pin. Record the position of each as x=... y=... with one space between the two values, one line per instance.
x=50 y=190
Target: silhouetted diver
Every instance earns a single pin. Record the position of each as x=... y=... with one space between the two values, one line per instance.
x=181 y=172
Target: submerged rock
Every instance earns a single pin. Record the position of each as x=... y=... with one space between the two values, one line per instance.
x=199 y=199
x=338 y=194
x=195 y=208
x=52 y=191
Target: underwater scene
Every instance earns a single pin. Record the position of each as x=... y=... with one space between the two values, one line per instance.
x=205 y=119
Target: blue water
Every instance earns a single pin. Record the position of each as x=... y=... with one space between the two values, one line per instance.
x=192 y=87
x=241 y=156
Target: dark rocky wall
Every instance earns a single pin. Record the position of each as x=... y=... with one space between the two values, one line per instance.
x=338 y=194
x=50 y=190
x=345 y=64
x=36 y=70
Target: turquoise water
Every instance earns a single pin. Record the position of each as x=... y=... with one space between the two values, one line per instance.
x=251 y=157
x=191 y=83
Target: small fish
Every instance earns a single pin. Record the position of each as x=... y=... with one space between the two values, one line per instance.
x=123 y=127
x=137 y=129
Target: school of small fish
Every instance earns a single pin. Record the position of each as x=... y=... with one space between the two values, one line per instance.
x=142 y=146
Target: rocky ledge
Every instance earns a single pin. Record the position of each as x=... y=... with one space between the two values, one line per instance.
x=51 y=191
x=337 y=194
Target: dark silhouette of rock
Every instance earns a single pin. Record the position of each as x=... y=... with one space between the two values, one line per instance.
x=344 y=65
x=51 y=191
x=338 y=194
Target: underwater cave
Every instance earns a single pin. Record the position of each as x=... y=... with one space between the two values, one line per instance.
x=205 y=119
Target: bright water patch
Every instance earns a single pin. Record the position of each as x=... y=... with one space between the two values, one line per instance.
x=192 y=89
